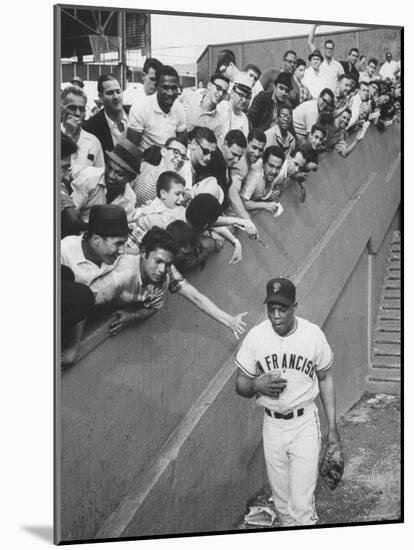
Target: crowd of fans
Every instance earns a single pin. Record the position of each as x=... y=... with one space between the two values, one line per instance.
x=155 y=178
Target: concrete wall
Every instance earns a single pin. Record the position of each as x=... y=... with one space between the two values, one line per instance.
x=269 y=53
x=154 y=438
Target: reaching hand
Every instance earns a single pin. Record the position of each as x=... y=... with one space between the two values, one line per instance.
x=237 y=253
x=121 y=319
x=237 y=325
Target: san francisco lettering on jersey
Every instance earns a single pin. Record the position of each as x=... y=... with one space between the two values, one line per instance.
x=288 y=361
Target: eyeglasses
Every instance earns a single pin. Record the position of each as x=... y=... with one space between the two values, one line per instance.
x=243 y=96
x=74 y=108
x=328 y=102
x=178 y=154
x=285 y=115
x=206 y=152
x=220 y=90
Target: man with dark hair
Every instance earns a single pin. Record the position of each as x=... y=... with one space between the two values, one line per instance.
x=111 y=184
x=360 y=106
x=258 y=186
x=299 y=92
x=226 y=65
x=343 y=95
x=201 y=108
x=330 y=69
x=306 y=114
x=71 y=222
x=109 y=124
x=369 y=75
x=253 y=73
x=191 y=252
x=171 y=157
x=313 y=145
x=263 y=110
x=293 y=169
x=279 y=134
x=389 y=69
x=336 y=138
x=350 y=66
x=288 y=66
x=256 y=141
x=73 y=111
x=159 y=116
x=136 y=92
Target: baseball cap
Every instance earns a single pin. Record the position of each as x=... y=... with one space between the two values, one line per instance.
x=280 y=291
x=108 y=220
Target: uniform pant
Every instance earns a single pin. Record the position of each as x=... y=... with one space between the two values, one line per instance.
x=291 y=449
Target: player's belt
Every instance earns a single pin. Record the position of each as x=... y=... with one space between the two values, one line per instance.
x=286 y=416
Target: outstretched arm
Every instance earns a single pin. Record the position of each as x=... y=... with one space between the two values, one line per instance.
x=310 y=38
x=234 y=323
x=327 y=391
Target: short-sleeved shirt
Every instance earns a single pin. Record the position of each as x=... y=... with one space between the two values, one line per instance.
x=255 y=188
x=274 y=137
x=120 y=280
x=297 y=357
x=305 y=116
x=89 y=189
x=231 y=121
x=89 y=153
x=389 y=69
x=156 y=126
x=313 y=81
x=158 y=214
x=196 y=115
x=330 y=73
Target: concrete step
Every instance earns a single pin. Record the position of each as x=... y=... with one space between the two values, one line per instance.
x=388 y=326
x=389 y=315
x=396 y=236
x=393 y=274
x=387 y=338
x=392 y=361
x=383 y=386
x=384 y=374
x=392 y=283
x=394 y=303
x=387 y=350
x=391 y=293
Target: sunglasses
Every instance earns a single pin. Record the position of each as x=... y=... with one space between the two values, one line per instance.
x=206 y=152
x=178 y=154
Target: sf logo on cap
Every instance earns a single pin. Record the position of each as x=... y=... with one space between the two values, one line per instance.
x=276 y=287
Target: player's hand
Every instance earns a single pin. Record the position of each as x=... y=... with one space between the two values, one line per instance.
x=237 y=253
x=237 y=325
x=270 y=385
x=121 y=319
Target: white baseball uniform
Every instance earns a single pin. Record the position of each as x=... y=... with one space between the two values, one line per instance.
x=291 y=446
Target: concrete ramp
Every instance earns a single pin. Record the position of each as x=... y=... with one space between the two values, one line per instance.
x=154 y=438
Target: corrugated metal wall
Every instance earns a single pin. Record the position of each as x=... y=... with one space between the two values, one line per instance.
x=269 y=53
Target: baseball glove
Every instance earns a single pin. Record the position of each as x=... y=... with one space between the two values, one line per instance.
x=332 y=465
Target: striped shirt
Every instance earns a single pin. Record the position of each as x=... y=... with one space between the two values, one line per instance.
x=120 y=280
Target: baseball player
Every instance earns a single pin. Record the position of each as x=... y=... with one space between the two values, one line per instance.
x=285 y=361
